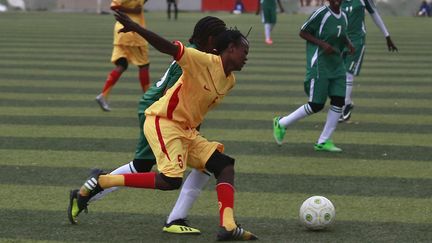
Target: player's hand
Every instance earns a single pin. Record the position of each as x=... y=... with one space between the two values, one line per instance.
x=128 y=24
x=351 y=49
x=391 y=47
x=328 y=49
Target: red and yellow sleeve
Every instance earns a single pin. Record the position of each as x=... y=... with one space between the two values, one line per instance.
x=180 y=50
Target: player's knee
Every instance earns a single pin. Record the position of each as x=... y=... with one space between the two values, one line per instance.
x=169 y=183
x=316 y=107
x=217 y=162
x=143 y=165
x=122 y=62
x=338 y=101
x=145 y=66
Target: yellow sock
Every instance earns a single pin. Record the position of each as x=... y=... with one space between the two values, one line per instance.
x=228 y=219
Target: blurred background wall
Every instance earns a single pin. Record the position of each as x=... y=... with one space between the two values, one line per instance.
x=386 y=7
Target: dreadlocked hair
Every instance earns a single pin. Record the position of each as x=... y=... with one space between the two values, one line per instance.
x=206 y=27
x=229 y=36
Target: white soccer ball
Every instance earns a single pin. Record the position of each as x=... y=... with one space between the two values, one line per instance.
x=317 y=213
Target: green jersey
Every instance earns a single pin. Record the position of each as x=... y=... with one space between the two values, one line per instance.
x=329 y=27
x=158 y=89
x=355 y=11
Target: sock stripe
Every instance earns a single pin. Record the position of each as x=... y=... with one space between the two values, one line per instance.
x=308 y=109
x=238 y=232
x=336 y=109
x=88 y=186
x=131 y=167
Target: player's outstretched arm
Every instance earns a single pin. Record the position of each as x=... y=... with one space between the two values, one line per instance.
x=158 y=42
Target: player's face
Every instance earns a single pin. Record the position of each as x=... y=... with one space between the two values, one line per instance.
x=335 y=5
x=239 y=56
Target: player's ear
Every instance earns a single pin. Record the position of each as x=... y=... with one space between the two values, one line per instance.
x=231 y=47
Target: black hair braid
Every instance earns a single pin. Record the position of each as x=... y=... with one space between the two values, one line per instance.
x=227 y=37
x=206 y=27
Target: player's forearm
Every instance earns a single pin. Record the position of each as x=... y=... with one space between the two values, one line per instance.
x=159 y=43
x=380 y=23
x=309 y=37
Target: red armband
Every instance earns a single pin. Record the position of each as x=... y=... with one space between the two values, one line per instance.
x=115 y=7
x=180 y=50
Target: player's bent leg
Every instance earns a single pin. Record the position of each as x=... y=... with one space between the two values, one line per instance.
x=349 y=104
x=191 y=189
x=165 y=183
x=135 y=166
x=324 y=142
x=223 y=168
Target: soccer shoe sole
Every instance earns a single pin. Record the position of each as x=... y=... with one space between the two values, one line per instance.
x=181 y=229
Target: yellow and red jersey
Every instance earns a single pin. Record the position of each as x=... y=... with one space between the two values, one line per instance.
x=200 y=88
x=130 y=38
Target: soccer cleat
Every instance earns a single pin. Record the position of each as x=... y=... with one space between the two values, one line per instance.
x=269 y=41
x=77 y=204
x=237 y=234
x=93 y=187
x=278 y=131
x=180 y=226
x=100 y=99
x=327 y=146
x=73 y=209
x=346 y=113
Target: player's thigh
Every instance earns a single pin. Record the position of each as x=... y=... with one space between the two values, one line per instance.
x=354 y=62
x=143 y=149
x=338 y=86
x=139 y=55
x=200 y=150
x=166 y=139
x=317 y=89
x=118 y=52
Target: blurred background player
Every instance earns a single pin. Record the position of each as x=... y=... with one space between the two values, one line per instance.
x=204 y=39
x=174 y=4
x=268 y=10
x=128 y=48
x=238 y=7
x=355 y=11
x=326 y=38
x=424 y=9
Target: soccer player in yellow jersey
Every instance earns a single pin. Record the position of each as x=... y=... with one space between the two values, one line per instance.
x=128 y=48
x=171 y=123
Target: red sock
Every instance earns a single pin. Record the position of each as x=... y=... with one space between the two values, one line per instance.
x=140 y=180
x=144 y=78
x=111 y=81
x=225 y=194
